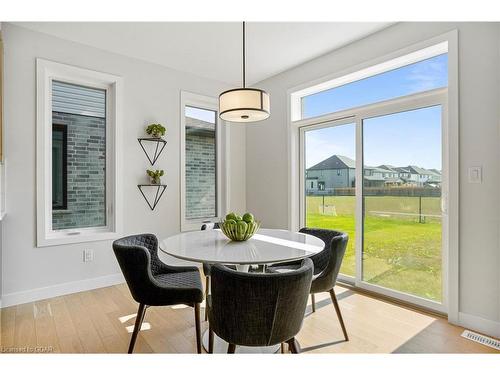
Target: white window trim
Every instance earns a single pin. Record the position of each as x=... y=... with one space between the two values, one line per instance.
x=222 y=159
x=46 y=72
x=450 y=200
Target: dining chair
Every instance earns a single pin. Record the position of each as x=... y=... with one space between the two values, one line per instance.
x=154 y=283
x=326 y=267
x=258 y=309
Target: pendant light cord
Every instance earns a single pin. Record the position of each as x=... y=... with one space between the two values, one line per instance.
x=244 y=54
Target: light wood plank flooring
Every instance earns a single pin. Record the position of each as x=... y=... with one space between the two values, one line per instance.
x=101 y=321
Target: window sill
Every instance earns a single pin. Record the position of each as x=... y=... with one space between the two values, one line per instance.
x=78 y=236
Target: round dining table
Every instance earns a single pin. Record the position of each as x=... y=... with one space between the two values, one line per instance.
x=267 y=246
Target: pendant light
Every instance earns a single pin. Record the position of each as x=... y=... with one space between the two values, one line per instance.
x=244 y=104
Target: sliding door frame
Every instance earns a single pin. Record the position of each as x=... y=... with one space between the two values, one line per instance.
x=431 y=98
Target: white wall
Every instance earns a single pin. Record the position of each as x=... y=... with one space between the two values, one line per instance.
x=151 y=94
x=479 y=79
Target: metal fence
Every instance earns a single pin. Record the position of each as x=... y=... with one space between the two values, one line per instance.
x=403 y=191
x=410 y=203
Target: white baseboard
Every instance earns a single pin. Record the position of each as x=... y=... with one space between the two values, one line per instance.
x=481 y=325
x=61 y=289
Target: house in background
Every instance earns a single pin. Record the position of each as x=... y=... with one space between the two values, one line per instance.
x=338 y=171
x=417 y=176
x=383 y=175
x=335 y=172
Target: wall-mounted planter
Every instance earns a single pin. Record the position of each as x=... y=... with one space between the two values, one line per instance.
x=160 y=189
x=158 y=150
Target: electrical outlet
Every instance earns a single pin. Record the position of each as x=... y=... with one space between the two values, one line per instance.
x=475 y=175
x=88 y=255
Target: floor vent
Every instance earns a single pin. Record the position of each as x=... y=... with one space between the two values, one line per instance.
x=485 y=340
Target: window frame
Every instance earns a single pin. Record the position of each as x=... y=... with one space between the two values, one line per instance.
x=222 y=160
x=450 y=198
x=356 y=116
x=47 y=71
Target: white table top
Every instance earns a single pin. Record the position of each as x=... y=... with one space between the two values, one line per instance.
x=266 y=246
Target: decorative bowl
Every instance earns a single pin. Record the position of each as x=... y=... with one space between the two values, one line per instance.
x=239 y=232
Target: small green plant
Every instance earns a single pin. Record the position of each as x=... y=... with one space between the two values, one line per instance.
x=155 y=176
x=156 y=130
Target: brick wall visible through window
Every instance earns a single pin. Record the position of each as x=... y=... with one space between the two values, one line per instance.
x=86 y=164
x=200 y=169
x=81 y=111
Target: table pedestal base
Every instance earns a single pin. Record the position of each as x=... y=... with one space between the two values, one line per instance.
x=220 y=346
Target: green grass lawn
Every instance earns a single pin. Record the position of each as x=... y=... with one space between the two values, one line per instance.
x=399 y=252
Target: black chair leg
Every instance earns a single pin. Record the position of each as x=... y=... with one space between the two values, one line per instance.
x=313 y=302
x=207 y=284
x=231 y=349
x=292 y=344
x=198 y=326
x=137 y=327
x=210 y=341
x=339 y=314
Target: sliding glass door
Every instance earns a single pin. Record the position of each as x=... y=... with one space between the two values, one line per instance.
x=394 y=217
x=330 y=182
x=402 y=179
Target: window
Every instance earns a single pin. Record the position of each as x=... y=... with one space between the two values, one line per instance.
x=77 y=154
x=201 y=169
x=201 y=164
x=417 y=77
x=387 y=135
x=419 y=71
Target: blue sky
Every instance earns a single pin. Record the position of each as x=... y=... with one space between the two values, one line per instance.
x=400 y=139
x=200 y=114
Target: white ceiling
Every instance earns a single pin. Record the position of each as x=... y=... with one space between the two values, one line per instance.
x=213 y=49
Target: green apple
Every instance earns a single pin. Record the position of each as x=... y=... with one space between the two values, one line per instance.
x=242 y=226
x=248 y=217
x=231 y=216
x=230 y=222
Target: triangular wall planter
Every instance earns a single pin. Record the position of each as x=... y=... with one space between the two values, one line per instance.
x=160 y=189
x=158 y=150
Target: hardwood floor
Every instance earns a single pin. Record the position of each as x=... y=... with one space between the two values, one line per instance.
x=101 y=321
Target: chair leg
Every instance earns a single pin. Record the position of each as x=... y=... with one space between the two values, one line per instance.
x=282 y=348
x=313 y=302
x=231 y=349
x=339 y=314
x=207 y=284
x=137 y=327
x=198 y=327
x=292 y=344
x=210 y=341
